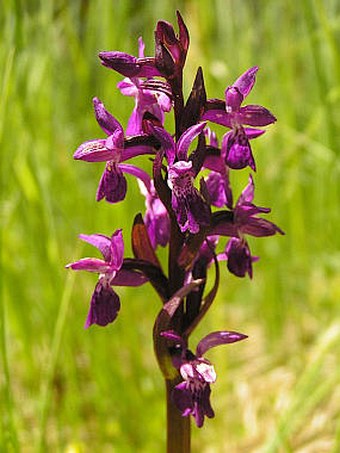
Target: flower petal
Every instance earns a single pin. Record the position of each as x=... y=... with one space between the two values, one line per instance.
x=128 y=65
x=258 y=227
x=247 y=194
x=186 y=138
x=237 y=151
x=101 y=242
x=112 y=185
x=117 y=250
x=255 y=115
x=218 y=117
x=93 y=151
x=216 y=339
x=126 y=277
x=166 y=141
x=219 y=189
x=239 y=258
x=89 y=265
x=246 y=81
x=106 y=121
x=104 y=307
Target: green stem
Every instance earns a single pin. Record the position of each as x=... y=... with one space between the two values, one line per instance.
x=178 y=427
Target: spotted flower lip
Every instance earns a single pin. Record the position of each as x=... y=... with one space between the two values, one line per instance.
x=112 y=185
x=192 y=395
x=105 y=303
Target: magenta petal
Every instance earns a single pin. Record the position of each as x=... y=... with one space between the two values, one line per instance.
x=128 y=278
x=255 y=115
x=103 y=243
x=186 y=138
x=219 y=190
x=104 y=307
x=117 y=250
x=106 y=121
x=128 y=65
x=127 y=87
x=166 y=141
x=239 y=258
x=246 y=81
x=141 y=47
x=93 y=151
x=233 y=99
x=218 y=117
x=247 y=194
x=253 y=133
x=90 y=265
x=138 y=173
x=237 y=151
x=157 y=221
x=112 y=185
x=258 y=227
x=216 y=339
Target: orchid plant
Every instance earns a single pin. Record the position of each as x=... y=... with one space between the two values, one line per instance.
x=189 y=210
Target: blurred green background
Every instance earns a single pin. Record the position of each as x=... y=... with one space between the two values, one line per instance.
x=67 y=389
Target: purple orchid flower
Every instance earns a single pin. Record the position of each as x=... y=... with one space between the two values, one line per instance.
x=244 y=221
x=105 y=303
x=156 y=218
x=111 y=150
x=153 y=101
x=190 y=208
x=236 y=148
x=192 y=395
